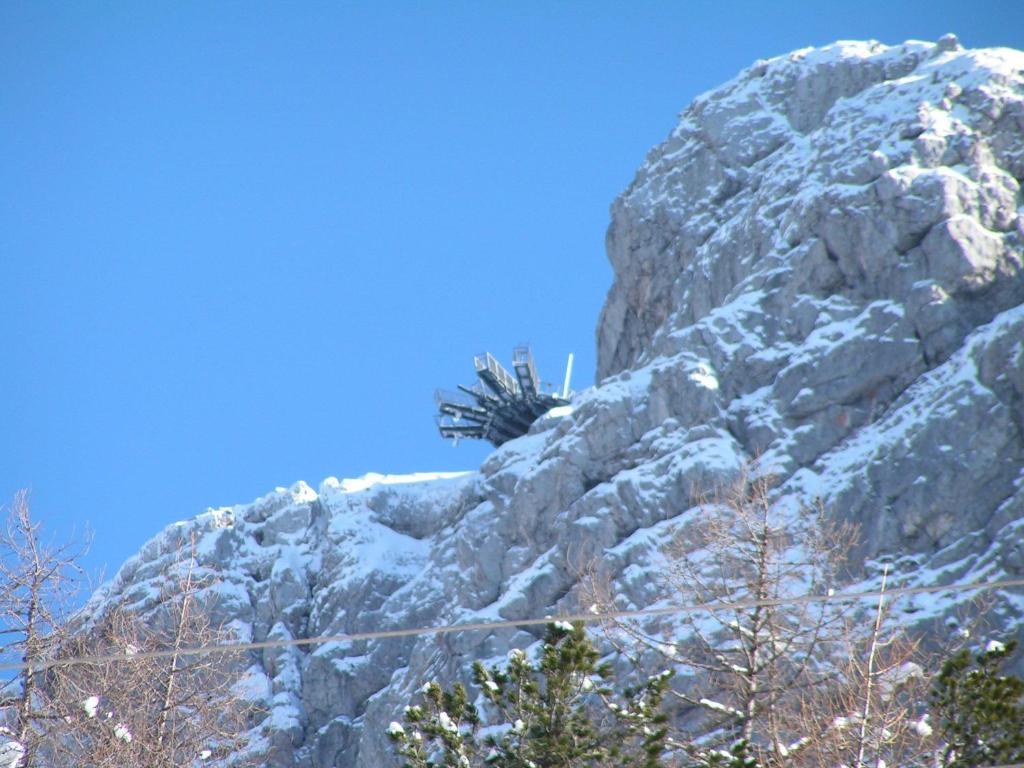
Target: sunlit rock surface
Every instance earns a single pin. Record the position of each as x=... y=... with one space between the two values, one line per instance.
x=822 y=266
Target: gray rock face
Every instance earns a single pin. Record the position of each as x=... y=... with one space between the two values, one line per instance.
x=822 y=266
x=856 y=171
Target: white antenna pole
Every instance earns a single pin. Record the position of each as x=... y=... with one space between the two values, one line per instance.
x=568 y=376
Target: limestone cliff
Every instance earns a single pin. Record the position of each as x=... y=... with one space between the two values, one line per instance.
x=820 y=265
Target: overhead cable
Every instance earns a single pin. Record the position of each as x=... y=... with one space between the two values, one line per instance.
x=478 y=626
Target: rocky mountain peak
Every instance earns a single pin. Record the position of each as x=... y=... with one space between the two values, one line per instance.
x=820 y=266
x=857 y=170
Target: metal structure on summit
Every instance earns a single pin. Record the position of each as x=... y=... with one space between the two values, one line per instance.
x=501 y=405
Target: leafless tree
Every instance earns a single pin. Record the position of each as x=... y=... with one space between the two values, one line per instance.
x=757 y=650
x=38 y=581
x=872 y=711
x=141 y=711
x=134 y=711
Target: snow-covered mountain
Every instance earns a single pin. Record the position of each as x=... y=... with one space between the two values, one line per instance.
x=822 y=265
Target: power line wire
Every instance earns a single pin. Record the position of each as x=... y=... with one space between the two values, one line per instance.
x=588 y=617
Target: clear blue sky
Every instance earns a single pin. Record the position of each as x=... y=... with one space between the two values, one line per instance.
x=241 y=243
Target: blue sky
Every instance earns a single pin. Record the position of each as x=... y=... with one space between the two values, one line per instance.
x=241 y=244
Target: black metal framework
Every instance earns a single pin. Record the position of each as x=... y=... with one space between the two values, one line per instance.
x=501 y=406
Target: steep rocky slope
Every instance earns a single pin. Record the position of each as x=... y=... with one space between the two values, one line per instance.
x=822 y=265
